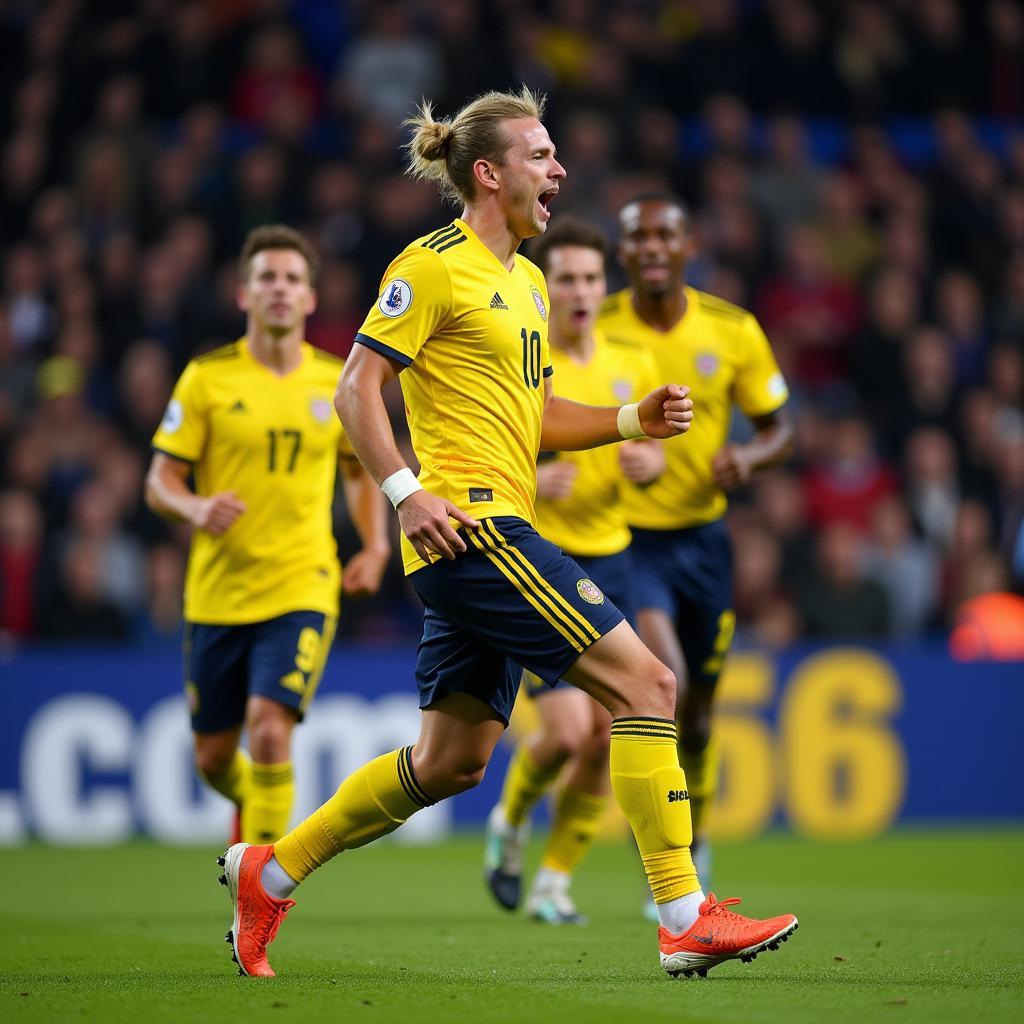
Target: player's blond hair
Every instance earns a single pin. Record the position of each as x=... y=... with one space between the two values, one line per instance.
x=444 y=151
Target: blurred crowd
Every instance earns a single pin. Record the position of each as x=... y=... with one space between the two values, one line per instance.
x=855 y=171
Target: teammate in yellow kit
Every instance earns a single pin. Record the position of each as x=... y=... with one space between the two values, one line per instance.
x=463 y=318
x=681 y=549
x=253 y=424
x=579 y=509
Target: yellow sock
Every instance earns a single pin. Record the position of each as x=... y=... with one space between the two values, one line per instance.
x=236 y=782
x=650 y=787
x=268 y=807
x=701 y=769
x=373 y=801
x=525 y=784
x=576 y=822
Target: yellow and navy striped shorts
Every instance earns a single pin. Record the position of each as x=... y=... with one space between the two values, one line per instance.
x=512 y=600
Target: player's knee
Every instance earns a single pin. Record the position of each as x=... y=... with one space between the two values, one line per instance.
x=565 y=740
x=468 y=775
x=660 y=692
x=450 y=775
x=594 y=751
x=270 y=738
x=212 y=762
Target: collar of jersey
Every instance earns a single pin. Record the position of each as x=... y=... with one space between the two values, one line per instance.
x=475 y=238
x=243 y=346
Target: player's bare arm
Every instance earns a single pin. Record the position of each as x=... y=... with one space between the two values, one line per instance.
x=572 y=426
x=168 y=494
x=772 y=444
x=367 y=507
x=425 y=518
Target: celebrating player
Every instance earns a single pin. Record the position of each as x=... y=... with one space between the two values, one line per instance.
x=681 y=549
x=253 y=423
x=578 y=509
x=463 y=318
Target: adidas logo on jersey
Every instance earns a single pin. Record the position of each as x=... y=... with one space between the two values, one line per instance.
x=239 y=406
x=497 y=302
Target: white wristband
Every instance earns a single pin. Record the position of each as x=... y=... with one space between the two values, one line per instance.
x=400 y=485
x=628 y=421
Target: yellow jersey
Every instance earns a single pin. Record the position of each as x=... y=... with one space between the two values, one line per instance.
x=473 y=338
x=275 y=442
x=591 y=521
x=720 y=351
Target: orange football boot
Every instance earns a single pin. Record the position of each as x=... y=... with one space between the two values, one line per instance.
x=719 y=935
x=257 y=914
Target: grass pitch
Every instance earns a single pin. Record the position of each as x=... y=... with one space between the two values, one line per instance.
x=919 y=926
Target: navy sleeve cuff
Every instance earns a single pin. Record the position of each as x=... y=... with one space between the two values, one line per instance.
x=174 y=455
x=384 y=350
x=548 y=371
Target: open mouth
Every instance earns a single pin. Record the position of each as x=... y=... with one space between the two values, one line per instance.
x=544 y=200
x=655 y=272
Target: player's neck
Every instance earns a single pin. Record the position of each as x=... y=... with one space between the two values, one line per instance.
x=662 y=312
x=580 y=349
x=489 y=225
x=279 y=353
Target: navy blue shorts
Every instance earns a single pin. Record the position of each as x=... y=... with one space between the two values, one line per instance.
x=688 y=574
x=282 y=658
x=512 y=600
x=614 y=575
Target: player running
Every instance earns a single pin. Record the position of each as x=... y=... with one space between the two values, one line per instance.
x=681 y=548
x=463 y=318
x=253 y=424
x=578 y=509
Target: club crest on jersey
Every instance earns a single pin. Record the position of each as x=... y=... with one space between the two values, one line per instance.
x=538 y=300
x=707 y=363
x=590 y=592
x=321 y=409
x=622 y=389
x=396 y=297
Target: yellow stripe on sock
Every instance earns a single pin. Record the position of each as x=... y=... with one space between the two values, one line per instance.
x=272 y=774
x=654 y=728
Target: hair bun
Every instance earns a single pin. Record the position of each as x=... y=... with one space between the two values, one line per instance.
x=435 y=140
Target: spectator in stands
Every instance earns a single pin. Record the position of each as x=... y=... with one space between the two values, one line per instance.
x=927 y=394
x=931 y=483
x=21 y=556
x=119 y=560
x=76 y=611
x=905 y=567
x=971 y=543
x=989 y=624
x=839 y=601
x=158 y=621
x=817 y=311
x=787 y=185
x=850 y=480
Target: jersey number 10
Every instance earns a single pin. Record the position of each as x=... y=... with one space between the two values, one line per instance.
x=531 y=358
